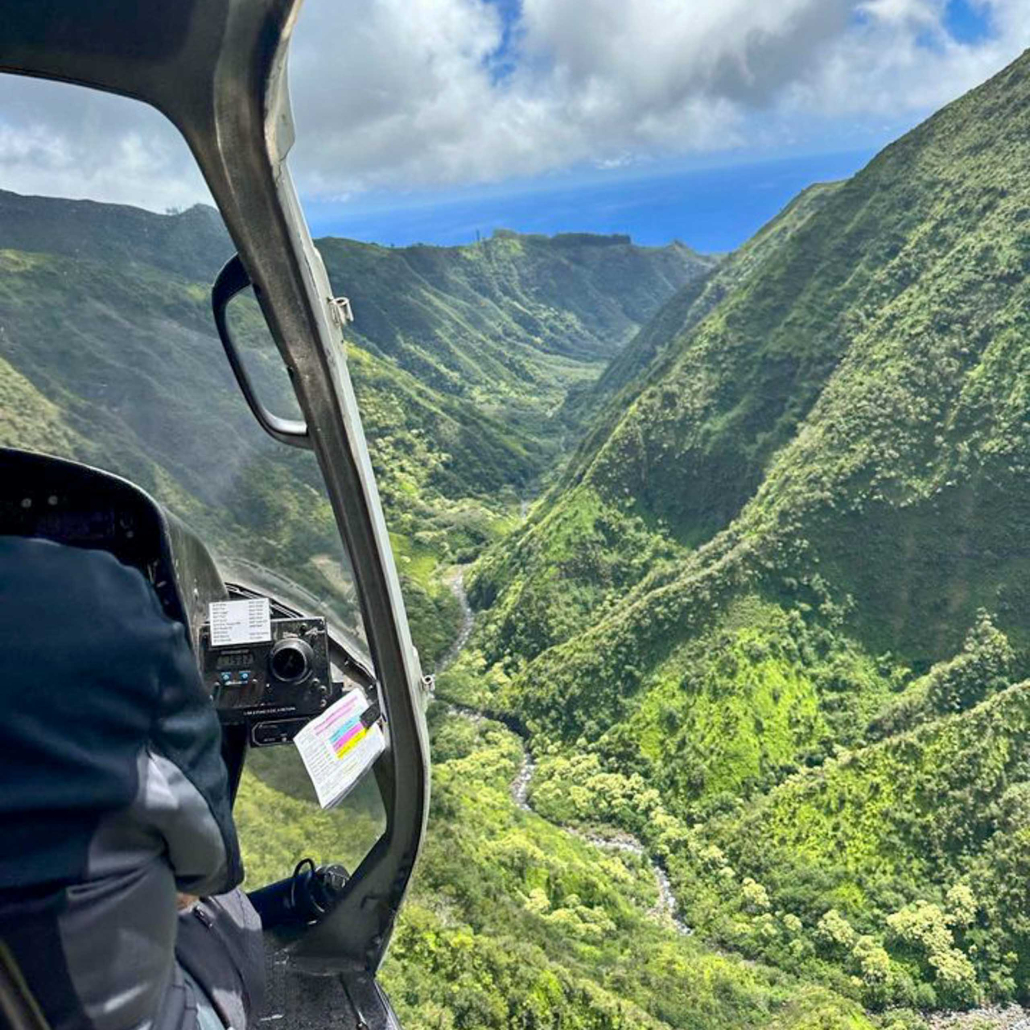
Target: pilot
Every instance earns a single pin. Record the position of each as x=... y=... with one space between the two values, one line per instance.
x=115 y=813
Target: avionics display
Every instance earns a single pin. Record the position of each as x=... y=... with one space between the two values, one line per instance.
x=272 y=687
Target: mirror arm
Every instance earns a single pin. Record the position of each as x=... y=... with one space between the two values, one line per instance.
x=232 y=280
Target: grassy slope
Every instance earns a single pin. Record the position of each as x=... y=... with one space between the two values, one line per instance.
x=808 y=500
x=637 y=363
x=856 y=391
x=588 y=542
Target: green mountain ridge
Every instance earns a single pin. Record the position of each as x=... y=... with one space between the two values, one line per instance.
x=192 y=244
x=799 y=527
x=104 y=310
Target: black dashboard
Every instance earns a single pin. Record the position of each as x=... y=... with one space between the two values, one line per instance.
x=79 y=506
x=265 y=690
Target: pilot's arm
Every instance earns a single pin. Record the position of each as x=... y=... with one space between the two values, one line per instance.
x=187 y=788
x=119 y=795
x=109 y=732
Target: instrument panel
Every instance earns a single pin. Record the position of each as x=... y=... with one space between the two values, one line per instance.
x=264 y=691
x=272 y=687
x=78 y=506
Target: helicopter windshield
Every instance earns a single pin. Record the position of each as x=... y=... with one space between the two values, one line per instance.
x=132 y=379
x=123 y=371
x=107 y=356
x=142 y=388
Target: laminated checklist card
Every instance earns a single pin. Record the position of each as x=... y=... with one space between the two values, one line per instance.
x=338 y=748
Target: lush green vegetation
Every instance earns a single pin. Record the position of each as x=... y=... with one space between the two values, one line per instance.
x=770 y=617
x=777 y=824
x=515 y=922
x=458 y=355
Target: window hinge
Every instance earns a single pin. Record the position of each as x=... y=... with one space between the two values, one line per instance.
x=341 y=310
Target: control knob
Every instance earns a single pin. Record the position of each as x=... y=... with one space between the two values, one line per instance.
x=291 y=660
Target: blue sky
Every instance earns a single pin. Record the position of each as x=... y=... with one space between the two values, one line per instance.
x=432 y=120
x=966 y=22
x=711 y=209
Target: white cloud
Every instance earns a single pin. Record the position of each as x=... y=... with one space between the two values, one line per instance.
x=73 y=142
x=609 y=81
x=397 y=93
x=900 y=58
x=899 y=12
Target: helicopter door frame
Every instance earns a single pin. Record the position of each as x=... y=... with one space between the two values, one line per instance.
x=218 y=70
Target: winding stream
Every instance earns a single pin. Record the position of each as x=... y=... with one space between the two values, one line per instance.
x=456 y=581
x=665 y=911
x=1012 y=1017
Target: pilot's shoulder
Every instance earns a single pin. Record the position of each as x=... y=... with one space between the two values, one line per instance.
x=35 y=570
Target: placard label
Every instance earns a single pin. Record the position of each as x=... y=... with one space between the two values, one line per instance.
x=240 y=622
x=337 y=748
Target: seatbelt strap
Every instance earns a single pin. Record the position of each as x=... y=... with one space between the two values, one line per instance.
x=18 y=1008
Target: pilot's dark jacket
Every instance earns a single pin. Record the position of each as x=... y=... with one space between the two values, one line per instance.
x=113 y=795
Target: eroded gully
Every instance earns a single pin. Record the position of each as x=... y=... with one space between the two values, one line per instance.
x=665 y=911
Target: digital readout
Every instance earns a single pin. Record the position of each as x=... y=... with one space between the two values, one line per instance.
x=234 y=660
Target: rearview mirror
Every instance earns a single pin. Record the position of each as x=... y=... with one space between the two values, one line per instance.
x=232 y=282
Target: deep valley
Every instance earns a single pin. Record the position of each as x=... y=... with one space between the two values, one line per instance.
x=738 y=546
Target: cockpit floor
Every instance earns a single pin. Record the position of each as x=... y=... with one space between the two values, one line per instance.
x=299 y=1000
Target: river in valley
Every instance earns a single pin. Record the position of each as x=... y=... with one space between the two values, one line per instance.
x=665 y=910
